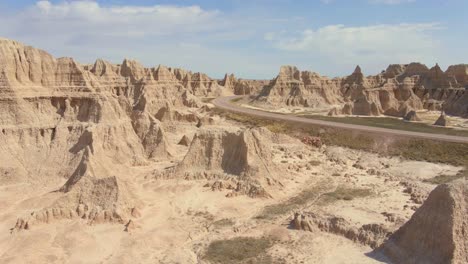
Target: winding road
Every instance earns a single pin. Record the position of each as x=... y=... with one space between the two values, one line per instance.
x=226 y=104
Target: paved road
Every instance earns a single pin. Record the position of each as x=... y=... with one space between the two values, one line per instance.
x=225 y=103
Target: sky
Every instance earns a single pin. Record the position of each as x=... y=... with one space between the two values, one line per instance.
x=250 y=38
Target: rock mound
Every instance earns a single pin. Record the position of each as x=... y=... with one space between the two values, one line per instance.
x=95 y=190
x=152 y=135
x=170 y=114
x=301 y=222
x=244 y=153
x=369 y=234
x=220 y=153
x=91 y=193
x=442 y=120
x=412 y=116
x=184 y=141
x=436 y=233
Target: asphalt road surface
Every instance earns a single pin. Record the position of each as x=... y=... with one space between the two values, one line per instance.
x=226 y=104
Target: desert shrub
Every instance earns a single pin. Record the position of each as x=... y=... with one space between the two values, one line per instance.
x=441 y=179
x=223 y=223
x=344 y=193
x=239 y=250
x=305 y=197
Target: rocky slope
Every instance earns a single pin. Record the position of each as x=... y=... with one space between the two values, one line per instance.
x=395 y=92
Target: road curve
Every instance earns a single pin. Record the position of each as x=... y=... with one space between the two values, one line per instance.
x=226 y=104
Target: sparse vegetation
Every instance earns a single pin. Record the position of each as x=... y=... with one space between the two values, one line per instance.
x=223 y=223
x=206 y=215
x=235 y=100
x=344 y=193
x=239 y=250
x=305 y=197
x=315 y=162
x=273 y=126
x=207 y=99
x=392 y=123
x=432 y=151
x=441 y=179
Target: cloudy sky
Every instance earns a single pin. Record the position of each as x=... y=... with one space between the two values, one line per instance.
x=250 y=38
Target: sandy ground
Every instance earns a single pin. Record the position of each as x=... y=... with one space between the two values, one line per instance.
x=178 y=215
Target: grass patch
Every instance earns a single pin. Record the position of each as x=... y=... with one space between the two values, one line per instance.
x=432 y=151
x=303 y=198
x=207 y=99
x=272 y=125
x=391 y=123
x=206 y=215
x=441 y=179
x=239 y=250
x=235 y=100
x=315 y=163
x=223 y=223
x=345 y=194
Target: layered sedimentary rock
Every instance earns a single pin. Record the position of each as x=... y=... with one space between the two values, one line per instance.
x=436 y=233
x=396 y=91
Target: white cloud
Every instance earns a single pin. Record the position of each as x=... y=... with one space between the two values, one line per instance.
x=401 y=42
x=88 y=18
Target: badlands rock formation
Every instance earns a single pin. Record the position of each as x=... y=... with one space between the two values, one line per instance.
x=81 y=145
x=396 y=91
x=243 y=156
x=437 y=231
x=293 y=87
x=87 y=124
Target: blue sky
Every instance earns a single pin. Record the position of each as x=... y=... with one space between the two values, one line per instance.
x=249 y=38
